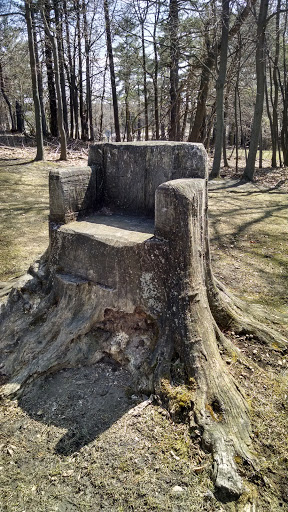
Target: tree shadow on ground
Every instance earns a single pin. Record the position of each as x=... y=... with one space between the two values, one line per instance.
x=86 y=401
x=227 y=183
x=4 y=160
x=257 y=215
x=251 y=230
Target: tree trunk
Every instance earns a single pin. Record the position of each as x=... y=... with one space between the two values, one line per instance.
x=2 y=85
x=269 y=111
x=220 y=83
x=155 y=76
x=224 y=142
x=236 y=129
x=127 y=113
x=236 y=103
x=260 y=77
x=284 y=92
x=260 y=165
x=60 y=117
x=112 y=71
x=57 y=4
x=209 y=128
x=36 y=101
x=197 y=132
x=19 y=118
x=185 y=116
x=80 y=73
x=50 y=78
x=39 y=76
x=139 y=126
x=71 y=78
x=90 y=129
x=146 y=117
x=100 y=133
x=218 y=405
x=274 y=131
x=174 y=128
x=284 y=130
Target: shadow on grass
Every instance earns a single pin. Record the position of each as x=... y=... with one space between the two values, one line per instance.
x=4 y=164
x=86 y=401
x=266 y=214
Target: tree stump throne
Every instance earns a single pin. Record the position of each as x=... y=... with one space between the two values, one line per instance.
x=121 y=283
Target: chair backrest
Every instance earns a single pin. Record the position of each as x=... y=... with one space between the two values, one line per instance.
x=128 y=174
x=122 y=176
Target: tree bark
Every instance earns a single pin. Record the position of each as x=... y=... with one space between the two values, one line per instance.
x=220 y=83
x=39 y=76
x=174 y=127
x=60 y=117
x=36 y=101
x=155 y=76
x=185 y=116
x=100 y=132
x=236 y=129
x=50 y=78
x=284 y=130
x=284 y=92
x=127 y=112
x=184 y=329
x=274 y=131
x=19 y=117
x=218 y=405
x=260 y=77
x=90 y=128
x=224 y=141
x=80 y=73
x=4 y=94
x=146 y=117
x=112 y=72
x=74 y=122
x=197 y=132
x=59 y=38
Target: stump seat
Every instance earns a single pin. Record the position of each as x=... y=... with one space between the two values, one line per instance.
x=114 y=229
x=111 y=203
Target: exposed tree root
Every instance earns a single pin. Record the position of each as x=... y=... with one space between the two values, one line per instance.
x=218 y=405
x=232 y=314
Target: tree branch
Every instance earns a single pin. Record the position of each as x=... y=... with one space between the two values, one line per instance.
x=13 y=14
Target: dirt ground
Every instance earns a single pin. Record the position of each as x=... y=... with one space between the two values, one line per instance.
x=80 y=439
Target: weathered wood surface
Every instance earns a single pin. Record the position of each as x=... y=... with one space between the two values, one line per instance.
x=72 y=193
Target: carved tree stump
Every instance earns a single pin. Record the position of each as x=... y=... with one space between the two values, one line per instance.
x=115 y=285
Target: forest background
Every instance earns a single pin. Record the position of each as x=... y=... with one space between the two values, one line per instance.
x=212 y=72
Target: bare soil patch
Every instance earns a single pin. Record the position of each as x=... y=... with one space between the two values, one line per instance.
x=81 y=440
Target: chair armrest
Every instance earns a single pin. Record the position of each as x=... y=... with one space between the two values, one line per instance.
x=72 y=193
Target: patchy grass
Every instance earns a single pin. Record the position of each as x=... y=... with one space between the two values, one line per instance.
x=55 y=457
x=24 y=206
x=23 y=214
x=249 y=232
